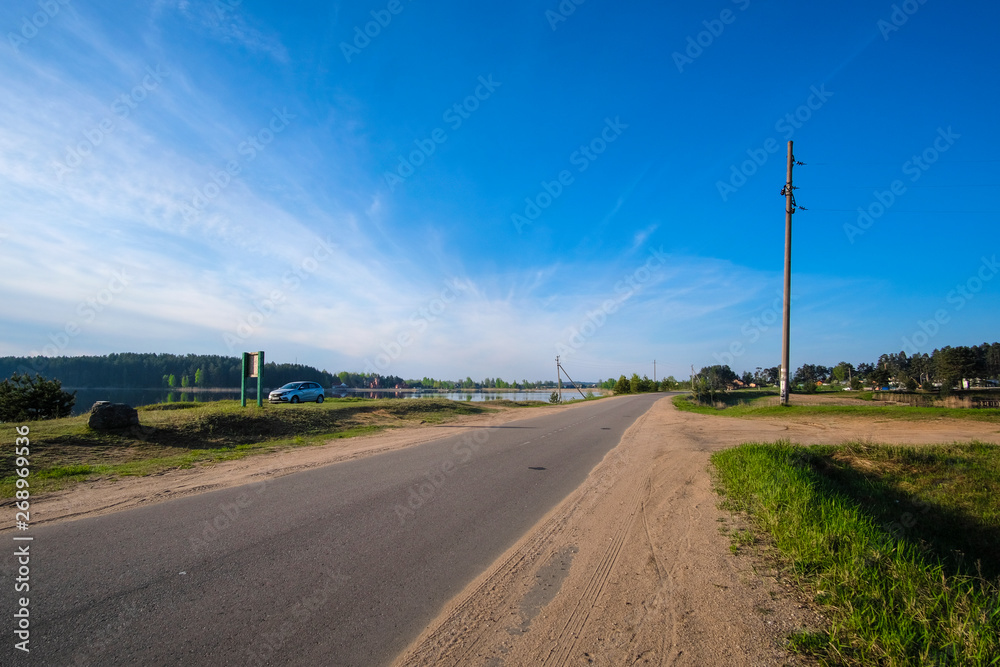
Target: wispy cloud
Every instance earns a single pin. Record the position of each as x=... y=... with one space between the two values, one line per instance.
x=227 y=21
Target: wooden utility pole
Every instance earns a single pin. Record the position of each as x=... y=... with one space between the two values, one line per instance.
x=654 y=370
x=789 y=210
x=559 y=377
x=572 y=381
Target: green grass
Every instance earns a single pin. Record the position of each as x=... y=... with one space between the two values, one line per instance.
x=183 y=435
x=761 y=407
x=899 y=546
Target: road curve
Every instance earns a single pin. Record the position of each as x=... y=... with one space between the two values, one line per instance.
x=339 y=565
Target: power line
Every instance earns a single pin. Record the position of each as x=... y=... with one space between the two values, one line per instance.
x=892 y=210
x=856 y=164
x=963 y=185
x=559 y=371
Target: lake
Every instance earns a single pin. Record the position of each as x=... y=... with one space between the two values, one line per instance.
x=85 y=398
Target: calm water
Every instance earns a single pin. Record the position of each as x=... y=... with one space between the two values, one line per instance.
x=85 y=398
x=506 y=395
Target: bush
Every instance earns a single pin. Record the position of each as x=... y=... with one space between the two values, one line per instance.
x=554 y=397
x=645 y=385
x=623 y=386
x=23 y=398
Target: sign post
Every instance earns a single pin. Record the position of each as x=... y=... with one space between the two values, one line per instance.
x=253 y=367
x=259 y=373
x=243 y=380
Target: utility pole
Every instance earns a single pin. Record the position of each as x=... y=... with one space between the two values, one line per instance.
x=559 y=377
x=575 y=385
x=654 y=370
x=788 y=191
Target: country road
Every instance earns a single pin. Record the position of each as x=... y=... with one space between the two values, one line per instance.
x=339 y=565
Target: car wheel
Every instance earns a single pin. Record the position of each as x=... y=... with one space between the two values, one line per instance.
x=295 y=399
x=319 y=399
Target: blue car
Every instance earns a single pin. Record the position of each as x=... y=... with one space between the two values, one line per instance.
x=297 y=392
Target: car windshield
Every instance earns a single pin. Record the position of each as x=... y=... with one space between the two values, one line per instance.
x=291 y=385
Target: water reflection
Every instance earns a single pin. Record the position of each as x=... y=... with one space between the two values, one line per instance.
x=85 y=398
x=471 y=396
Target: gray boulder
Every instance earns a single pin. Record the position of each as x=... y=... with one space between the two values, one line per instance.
x=107 y=416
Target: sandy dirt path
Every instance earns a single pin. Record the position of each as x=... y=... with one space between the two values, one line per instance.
x=631 y=568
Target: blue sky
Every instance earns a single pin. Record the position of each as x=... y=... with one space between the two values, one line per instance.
x=454 y=189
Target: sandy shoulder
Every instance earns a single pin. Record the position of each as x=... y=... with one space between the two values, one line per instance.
x=632 y=568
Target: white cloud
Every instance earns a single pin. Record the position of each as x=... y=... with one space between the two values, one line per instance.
x=229 y=22
x=277 y=263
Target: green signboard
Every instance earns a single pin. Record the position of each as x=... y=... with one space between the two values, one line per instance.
x=253 y=367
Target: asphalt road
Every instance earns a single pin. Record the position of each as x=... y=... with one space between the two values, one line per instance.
x=340 y=565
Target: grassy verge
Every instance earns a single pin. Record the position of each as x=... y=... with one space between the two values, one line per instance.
x=762 y=407
x=900 y=546
x=182 y=435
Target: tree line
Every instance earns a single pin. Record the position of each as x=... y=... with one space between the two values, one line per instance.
x=642 y=385
x=943 y=370
x=133 y=370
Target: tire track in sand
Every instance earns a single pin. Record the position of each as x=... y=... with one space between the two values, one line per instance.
x=566 y=641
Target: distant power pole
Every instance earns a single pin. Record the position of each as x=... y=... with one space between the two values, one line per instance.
x=788 y=192
x=559 y=371
x=559 y=377
x=654 y=370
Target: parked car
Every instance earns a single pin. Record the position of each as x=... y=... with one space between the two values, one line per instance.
x=297 y=392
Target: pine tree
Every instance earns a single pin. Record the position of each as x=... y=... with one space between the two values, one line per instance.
x=23 y=398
